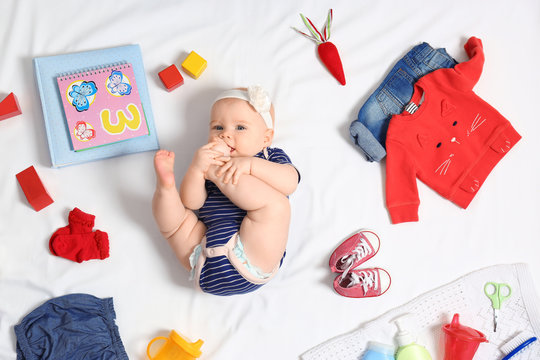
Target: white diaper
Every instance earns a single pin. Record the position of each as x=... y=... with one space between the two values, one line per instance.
x=239 y=260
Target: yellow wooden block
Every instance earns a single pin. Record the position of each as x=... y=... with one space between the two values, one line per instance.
x=194 y=65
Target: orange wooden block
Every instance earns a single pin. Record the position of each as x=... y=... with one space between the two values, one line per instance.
x=33 y=189
x=9 y=107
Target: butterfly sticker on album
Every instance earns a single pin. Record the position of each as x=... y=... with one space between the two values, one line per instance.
x=118 y=84
x=84 y=131
x=82 y=95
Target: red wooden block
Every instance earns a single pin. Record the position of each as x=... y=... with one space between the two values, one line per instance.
x=171 y=77
x=9 y=107
x=33 y=189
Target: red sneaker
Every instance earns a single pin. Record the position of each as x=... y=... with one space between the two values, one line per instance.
x=354 y=251
x=361 y=283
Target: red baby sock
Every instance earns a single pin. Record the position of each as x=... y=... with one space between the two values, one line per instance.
x=81 y=247
x=61 y=231
x=80 y=222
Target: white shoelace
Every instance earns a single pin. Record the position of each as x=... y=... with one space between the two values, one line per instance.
x=359 y=252
x=368 y=278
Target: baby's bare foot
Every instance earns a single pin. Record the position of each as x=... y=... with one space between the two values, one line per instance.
x=164 y=166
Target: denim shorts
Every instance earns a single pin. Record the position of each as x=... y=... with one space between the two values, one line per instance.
x=368 y=132
x=70 y=327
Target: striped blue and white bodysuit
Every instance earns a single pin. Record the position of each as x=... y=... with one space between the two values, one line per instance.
x=218 y=271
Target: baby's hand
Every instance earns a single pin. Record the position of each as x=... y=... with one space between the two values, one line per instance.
x=206 y=157
x=234 y=168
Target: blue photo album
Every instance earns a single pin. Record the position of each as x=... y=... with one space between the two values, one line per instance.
x=48 y=69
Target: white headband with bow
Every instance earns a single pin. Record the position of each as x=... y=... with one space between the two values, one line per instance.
x=256 y=96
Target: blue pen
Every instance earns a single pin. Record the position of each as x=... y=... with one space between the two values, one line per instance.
x=519 y=348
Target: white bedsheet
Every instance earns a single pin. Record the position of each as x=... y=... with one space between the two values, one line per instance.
x=249 y=42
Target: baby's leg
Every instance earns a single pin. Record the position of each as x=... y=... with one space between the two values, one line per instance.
x=265 y=228
x=177 y=224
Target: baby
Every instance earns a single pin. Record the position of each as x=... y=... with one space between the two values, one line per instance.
x=240 y=187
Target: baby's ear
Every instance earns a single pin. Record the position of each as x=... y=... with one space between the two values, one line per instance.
x=268 y=137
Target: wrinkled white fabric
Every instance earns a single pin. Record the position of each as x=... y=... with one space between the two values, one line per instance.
x=429 y=312
x=251 y=42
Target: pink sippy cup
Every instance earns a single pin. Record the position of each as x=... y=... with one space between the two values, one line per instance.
x=461 y=342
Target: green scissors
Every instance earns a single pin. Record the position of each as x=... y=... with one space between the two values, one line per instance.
x=497 y=293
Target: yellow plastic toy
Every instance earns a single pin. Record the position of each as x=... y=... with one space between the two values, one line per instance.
x=175 y=347
x=194 y=65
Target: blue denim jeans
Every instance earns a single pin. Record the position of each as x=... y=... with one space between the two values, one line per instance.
x=70 y=327
x=368 y=132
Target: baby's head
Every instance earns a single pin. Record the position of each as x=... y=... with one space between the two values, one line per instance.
x=244 y=120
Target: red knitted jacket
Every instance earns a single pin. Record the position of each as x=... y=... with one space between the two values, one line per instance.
x=451 y=142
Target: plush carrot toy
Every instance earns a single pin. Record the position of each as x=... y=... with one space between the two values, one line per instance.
x=328 y=52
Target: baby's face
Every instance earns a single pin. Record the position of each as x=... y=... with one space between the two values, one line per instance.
x=240 y=126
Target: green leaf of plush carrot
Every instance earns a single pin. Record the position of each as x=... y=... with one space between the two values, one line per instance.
x=317 y=36
x=329 y=56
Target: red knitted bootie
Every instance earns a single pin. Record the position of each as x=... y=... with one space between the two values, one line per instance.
x=80 y=222
x=61 y=231
x=81 y=247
